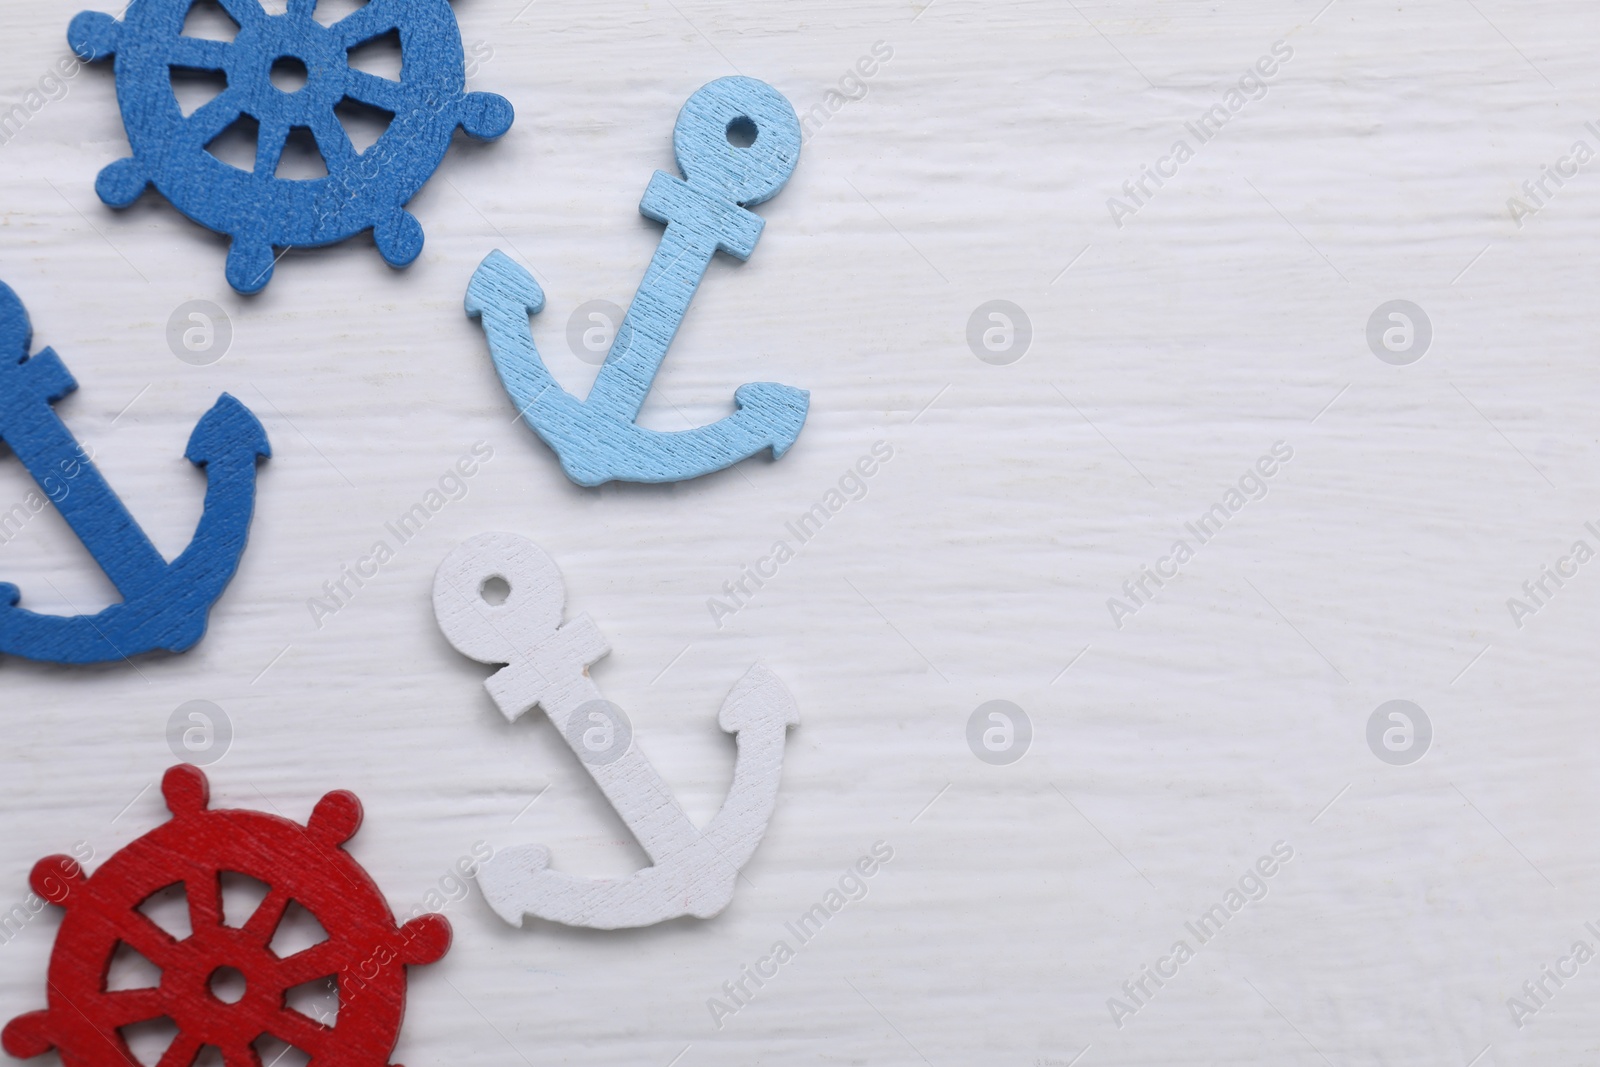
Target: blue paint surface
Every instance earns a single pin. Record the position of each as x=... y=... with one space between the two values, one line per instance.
x=258 y=210
x=164 y=606
x=706 y=212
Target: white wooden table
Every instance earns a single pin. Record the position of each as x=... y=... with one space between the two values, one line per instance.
x=1226 y=313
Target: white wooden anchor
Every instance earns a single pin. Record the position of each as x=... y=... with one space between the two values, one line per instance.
x=547 y=662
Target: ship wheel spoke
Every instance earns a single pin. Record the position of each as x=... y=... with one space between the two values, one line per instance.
x=376 y=91
x=205 y=901
x=182 y=1051
x=321 y=960
x=263 y=922
x=244 y=12
x=124 y=1007
x=337 y=151
x=270 y=139
x=302 y=9
x=198 y=53
x=211 y=119
x=292 y=1028
x=241 y=1054
x=142 y=934
x=367 y=22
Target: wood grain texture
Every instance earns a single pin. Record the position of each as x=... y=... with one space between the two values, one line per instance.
x=975 y=563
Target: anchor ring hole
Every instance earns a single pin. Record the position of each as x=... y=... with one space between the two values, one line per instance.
x=227 y=984
x=288 y=74
x=742 y=132
x=494 y=590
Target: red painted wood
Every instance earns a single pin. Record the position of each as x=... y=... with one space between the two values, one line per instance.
x=365 y=951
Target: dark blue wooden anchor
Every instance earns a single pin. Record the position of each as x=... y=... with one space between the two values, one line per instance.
x=164 y=606
x=737 y=141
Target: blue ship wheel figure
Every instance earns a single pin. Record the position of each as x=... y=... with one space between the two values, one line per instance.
x=362 y=190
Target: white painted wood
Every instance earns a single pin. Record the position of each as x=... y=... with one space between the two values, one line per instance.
x=692 y=871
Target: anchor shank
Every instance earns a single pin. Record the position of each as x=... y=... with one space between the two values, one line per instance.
x=648 y=328
x=635 y=789
x=55 y=459
x=698 y=225
x=552 y=675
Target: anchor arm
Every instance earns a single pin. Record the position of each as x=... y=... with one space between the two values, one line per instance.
x=697 y=874
x=758 y=711
x=227 y=442
x=501 y=296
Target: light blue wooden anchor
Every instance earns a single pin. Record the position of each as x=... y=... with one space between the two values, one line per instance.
x=737 y=141
x=164 y=606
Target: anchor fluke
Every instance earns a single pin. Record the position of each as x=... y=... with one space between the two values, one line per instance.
x=228 y=433
x=778 y=409
x=504 y=878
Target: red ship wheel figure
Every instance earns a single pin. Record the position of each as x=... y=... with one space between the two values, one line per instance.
x=365 y=951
